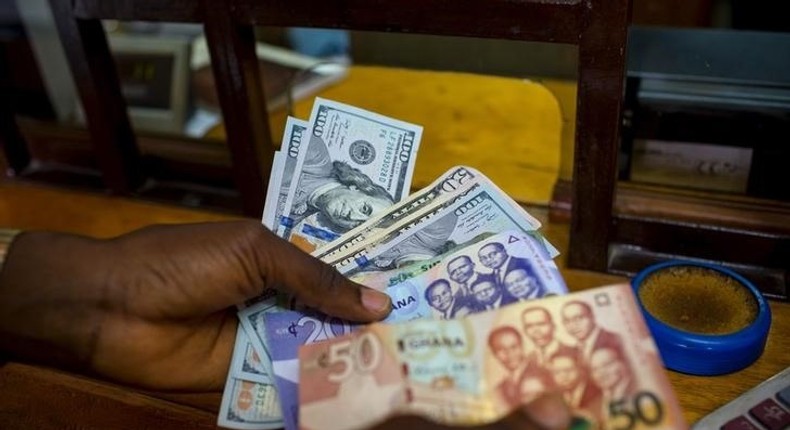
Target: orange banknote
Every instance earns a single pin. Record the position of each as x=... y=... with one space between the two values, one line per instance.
x=591 y=346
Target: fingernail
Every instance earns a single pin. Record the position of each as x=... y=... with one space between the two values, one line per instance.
x=375 y=301
x=549 y=412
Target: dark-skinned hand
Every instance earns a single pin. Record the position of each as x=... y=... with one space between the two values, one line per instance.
x=154 y=308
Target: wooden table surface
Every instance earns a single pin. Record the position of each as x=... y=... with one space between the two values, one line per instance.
x=32 y=397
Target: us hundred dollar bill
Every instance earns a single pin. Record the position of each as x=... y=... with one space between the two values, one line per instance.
x=246 y=363
x=251 y=403
x=251 y=320
x=275 y=178
x=283 y=170
x=356 y=165
x=450 y=183
x=267 y=218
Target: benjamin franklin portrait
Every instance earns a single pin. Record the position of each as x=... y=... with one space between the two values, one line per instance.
x=334 y=195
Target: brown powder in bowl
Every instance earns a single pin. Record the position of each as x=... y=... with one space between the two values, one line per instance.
x=698 y=300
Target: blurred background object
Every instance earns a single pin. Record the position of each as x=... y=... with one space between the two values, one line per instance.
x=681 y=49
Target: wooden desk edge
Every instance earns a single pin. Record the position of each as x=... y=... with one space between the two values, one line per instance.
x=34 y=397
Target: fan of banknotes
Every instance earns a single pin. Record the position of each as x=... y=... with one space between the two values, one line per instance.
x=481 y=318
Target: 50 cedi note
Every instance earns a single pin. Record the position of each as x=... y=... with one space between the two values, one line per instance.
x=593 y=346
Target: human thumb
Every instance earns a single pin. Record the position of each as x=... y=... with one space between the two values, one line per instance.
x=316 y=284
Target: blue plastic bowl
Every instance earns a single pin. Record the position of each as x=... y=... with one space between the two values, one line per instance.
x=701 y=354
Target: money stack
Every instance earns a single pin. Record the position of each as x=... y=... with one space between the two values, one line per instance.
x=333 y=172
x=457 y=258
